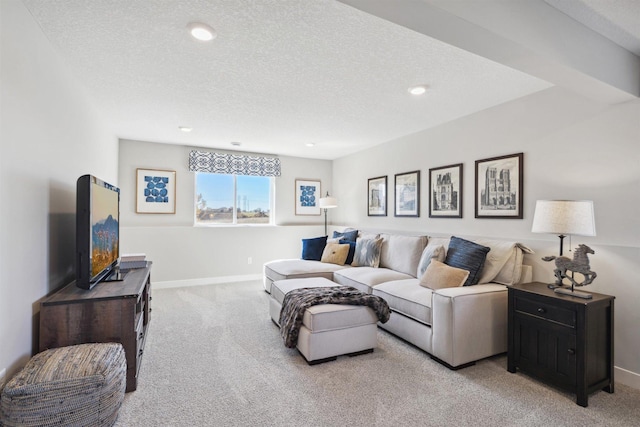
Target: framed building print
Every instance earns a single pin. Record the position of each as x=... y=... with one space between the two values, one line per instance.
x=499 y=184
x=377 y=196
x=407 y=194
x=445 y=191
x=155 y=191
x=308 y=196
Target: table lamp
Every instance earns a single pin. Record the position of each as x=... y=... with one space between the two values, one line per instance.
x=564 y=217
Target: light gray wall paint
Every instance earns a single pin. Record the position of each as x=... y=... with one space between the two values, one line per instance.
x=573 y=149
x=50 y=136
x=181 y=251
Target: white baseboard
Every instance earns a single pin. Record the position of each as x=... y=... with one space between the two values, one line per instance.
x=205 y=281
x=627 y=378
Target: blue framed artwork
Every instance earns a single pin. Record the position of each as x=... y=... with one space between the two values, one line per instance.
x=155 y=191
x=307 y=197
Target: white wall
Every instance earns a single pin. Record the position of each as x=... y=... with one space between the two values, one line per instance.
x=181 y=251
x=50 y=135
x=573 y=149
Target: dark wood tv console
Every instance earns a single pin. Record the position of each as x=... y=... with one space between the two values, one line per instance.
x=110 y=312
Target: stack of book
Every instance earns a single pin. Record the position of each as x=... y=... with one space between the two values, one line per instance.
x=129 y=261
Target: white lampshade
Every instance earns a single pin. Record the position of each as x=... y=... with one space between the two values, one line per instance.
x=328 y=202
x=564 y=217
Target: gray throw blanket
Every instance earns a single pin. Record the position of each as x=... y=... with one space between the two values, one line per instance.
x=298 y=300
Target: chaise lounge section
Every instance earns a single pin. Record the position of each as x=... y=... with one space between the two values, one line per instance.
x=455 y=325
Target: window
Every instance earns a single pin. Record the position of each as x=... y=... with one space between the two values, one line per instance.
x=233 y=199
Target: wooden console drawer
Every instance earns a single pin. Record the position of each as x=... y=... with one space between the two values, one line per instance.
x=546 y=311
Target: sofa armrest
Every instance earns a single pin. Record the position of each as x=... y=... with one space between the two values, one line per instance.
x=469 y=323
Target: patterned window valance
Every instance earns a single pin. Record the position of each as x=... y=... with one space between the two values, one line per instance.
x=233 y=164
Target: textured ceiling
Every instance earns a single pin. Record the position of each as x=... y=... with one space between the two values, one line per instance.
x=279 y=75
x=618 y=20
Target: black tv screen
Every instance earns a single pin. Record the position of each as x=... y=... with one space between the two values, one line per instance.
x=97 y=231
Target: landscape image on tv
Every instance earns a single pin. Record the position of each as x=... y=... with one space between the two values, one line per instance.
x=104 y=228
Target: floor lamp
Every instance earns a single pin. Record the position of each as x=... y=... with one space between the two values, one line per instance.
x=564 y=218
x=327 y=202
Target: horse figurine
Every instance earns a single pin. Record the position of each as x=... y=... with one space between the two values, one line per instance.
x=579 y=264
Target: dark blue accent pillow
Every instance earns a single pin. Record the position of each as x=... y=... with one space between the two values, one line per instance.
x=312 y=248
x=347 y=236
x=467 y=255
x=352 y=250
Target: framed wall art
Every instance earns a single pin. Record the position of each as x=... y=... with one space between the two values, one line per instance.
x=155 y=191
x=308 y=195
x=445 y=191
x=407 y=194
x=377 y=196
x=499 y=184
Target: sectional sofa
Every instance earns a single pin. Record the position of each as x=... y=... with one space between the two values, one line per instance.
x=455 y=325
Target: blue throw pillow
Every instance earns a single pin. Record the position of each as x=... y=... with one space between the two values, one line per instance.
x=352 y=250
x=312 y=248
x=467 y=255
x=348 y=236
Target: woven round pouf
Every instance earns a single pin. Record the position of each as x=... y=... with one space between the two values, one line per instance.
x=80 y=385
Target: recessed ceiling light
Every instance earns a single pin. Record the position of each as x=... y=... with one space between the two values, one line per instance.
x=185 y=129
x=418 y=90
x=310 y=144
x=201 y=31
x=235 y=143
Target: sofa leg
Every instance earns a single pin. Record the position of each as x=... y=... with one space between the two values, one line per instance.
x=318 y=361
x=453 y=368
x=358 y=353
x=331 y=359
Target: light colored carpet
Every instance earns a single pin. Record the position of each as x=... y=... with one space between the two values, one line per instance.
x=214 y=358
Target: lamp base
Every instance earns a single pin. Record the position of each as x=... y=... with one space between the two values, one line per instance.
x=579 y=294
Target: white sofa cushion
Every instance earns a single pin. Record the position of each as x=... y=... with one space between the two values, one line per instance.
x=282 y=269
x=514 y=271
x=501 y=253
x=328 y=317
x=364 y=278
x=402 y=253
x=407 y=297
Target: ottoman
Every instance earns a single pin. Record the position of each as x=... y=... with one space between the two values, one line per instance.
x=328 y=330
x=81 y=385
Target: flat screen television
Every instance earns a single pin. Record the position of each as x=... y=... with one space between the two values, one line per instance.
x=97 y=231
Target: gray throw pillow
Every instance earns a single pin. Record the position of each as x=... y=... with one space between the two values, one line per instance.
x=367 y=253
x=429 y=253
x=467 y=255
